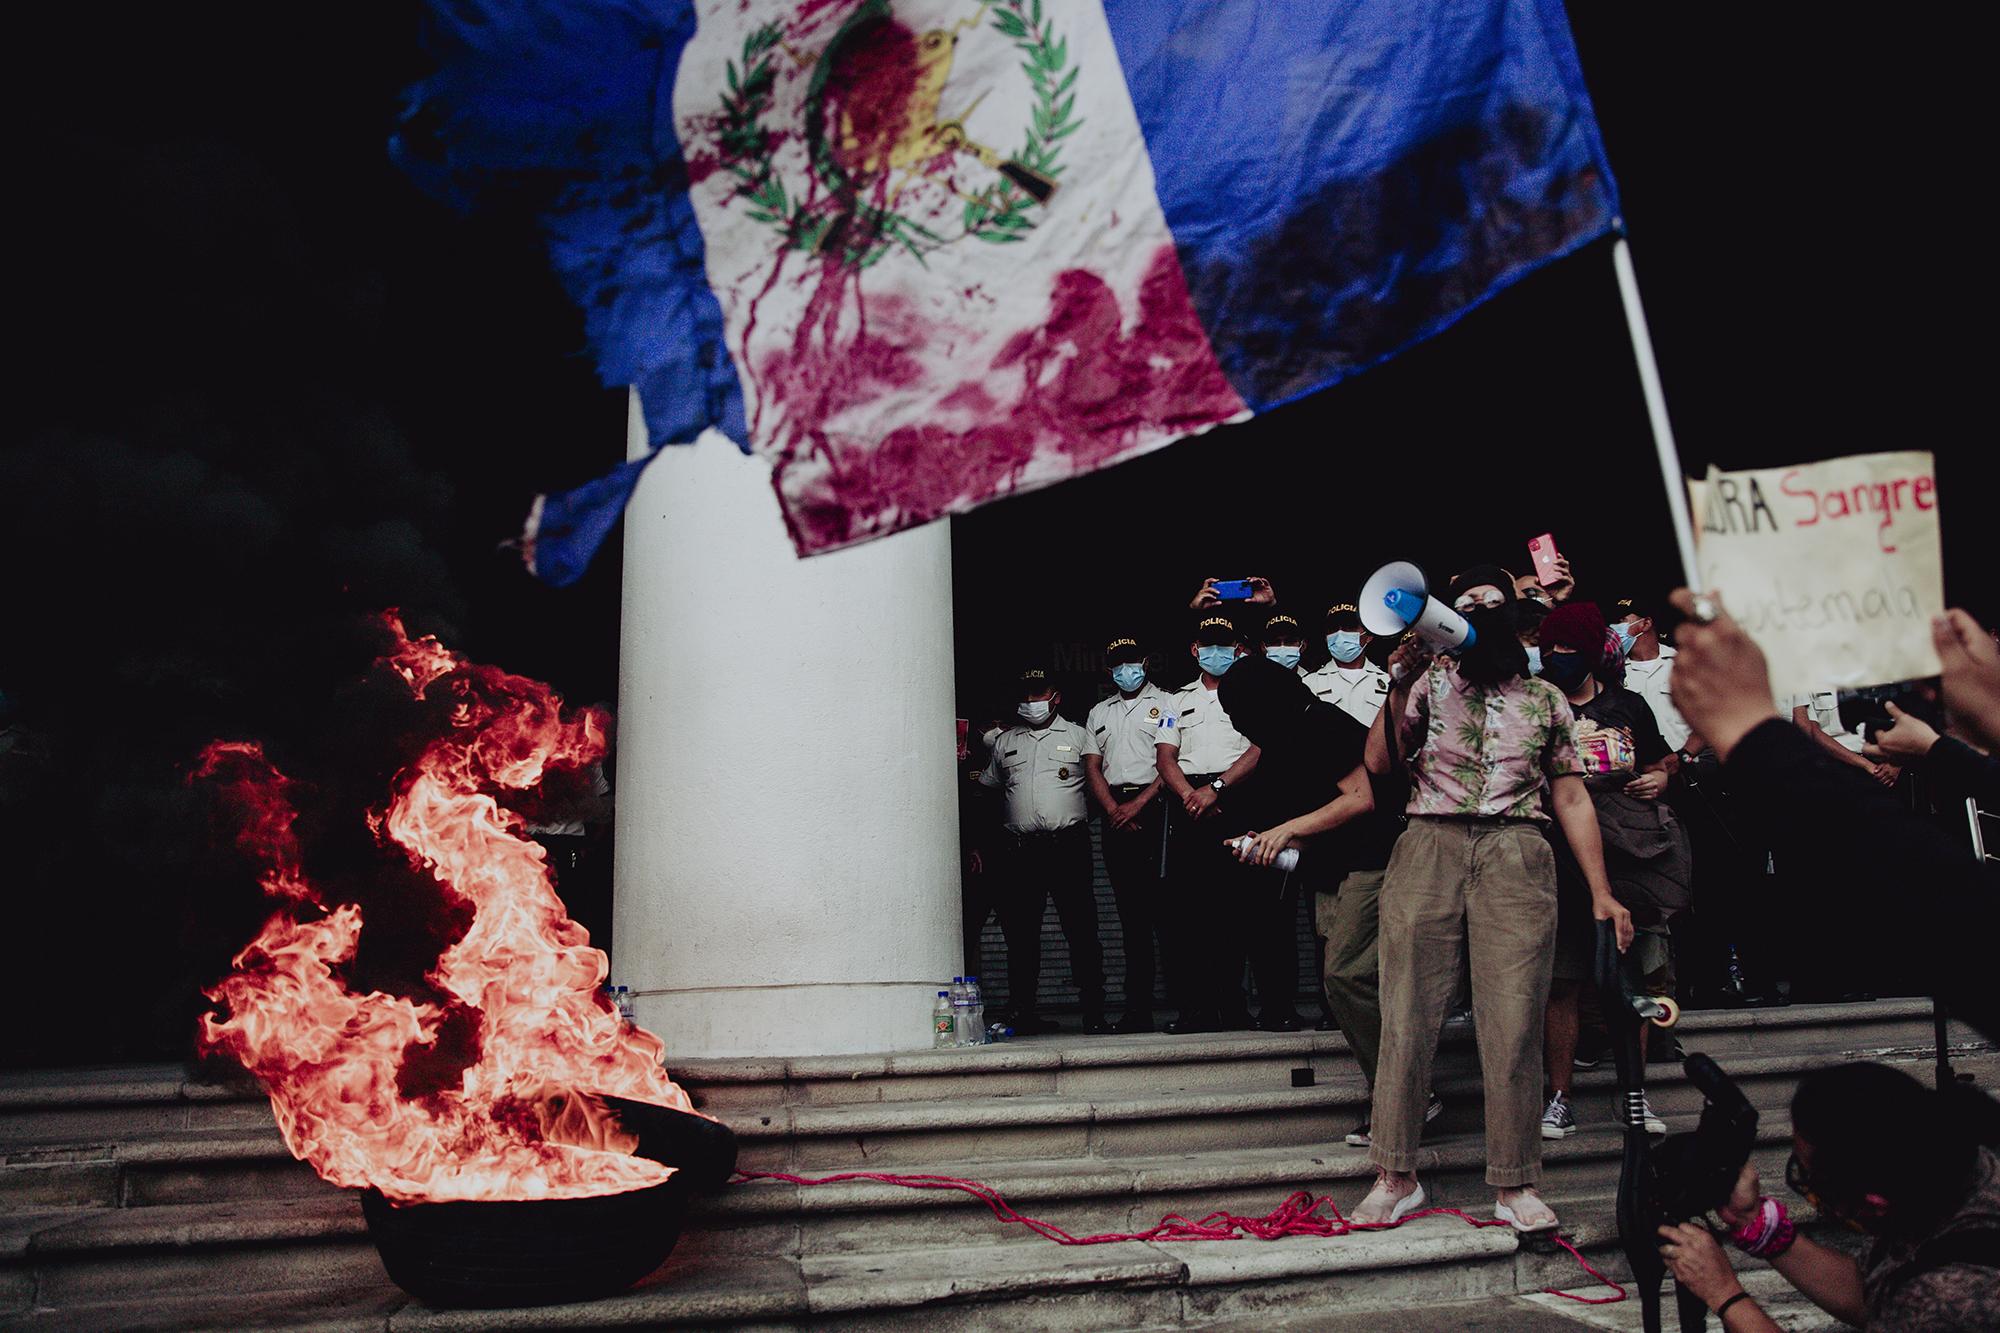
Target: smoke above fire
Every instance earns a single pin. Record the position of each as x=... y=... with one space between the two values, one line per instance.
x=476 y=1069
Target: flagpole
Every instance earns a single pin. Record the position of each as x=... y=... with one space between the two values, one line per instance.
x=1656 y=410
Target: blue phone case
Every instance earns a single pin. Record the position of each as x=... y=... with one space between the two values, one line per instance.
x=1234 y=590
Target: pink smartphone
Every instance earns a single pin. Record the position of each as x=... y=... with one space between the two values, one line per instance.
x=1542 y=550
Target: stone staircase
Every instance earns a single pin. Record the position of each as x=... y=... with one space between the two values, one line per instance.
x=135 y=1198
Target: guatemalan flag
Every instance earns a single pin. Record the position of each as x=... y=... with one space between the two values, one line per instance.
x=921 y=254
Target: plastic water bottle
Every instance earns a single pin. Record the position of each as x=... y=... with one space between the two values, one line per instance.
x=944 y=1022
x=1286 y=861
x=971 y=1015
x=627 y=1007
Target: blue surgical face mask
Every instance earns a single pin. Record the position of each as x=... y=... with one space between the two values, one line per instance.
x=1623 y=630
x=1216 y=659
x=1034 y=712
x=1534 y=660
x=1288 y=658
x=1128 y=676
x=1344 y=644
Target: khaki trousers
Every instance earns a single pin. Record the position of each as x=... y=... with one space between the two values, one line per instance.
x=1489 y=884
x=1346 y=921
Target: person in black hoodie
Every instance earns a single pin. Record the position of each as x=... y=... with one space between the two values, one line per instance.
x=1309 y=782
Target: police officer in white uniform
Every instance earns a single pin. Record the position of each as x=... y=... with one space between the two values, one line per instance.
x=1200 y=754
x=1125 y=781
x=1283 y=641
x=1649 y=666
x=1045 y=852
x=1350 y=682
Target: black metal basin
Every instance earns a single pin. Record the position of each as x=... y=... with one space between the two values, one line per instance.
x=539 y=1251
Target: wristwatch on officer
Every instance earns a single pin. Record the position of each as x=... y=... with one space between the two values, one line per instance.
x=1216 y=786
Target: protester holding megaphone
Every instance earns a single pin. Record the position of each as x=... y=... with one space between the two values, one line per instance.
x=1490 y=753
x=1397 y=598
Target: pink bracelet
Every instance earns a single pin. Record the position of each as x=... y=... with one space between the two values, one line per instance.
x=1760 y=1221
x=1769 y=1233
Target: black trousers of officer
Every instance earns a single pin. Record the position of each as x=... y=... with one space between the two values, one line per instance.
x=1040 y=866
x=1132 y=863
x=1209 y=893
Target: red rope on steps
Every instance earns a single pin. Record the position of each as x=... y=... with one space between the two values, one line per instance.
x=1298 y=1215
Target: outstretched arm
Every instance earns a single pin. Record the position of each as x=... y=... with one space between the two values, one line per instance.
x=1355 y=799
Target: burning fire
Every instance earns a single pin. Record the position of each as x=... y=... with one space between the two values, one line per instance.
x=523 y=1119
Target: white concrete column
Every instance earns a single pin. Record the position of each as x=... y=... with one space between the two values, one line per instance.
x=787 y=870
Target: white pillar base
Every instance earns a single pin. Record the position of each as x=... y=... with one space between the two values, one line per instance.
x=787 y=865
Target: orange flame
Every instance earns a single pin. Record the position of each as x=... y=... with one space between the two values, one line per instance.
x=525 y=1119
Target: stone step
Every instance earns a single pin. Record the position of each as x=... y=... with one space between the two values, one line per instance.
x=1078 y=1066
x=898 y=1134
x=93 y=1257
x=97 y=1228
x=1130 y=1195
x=45 y=1106
x=98 y=1264
x=98 y=1255
x=42 y=1106
x=208 y=1165
x=933 y=1288
x=1425 y=1263
x=1535 y=1313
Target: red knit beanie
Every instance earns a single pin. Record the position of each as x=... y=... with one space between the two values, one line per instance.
x=1577 y=625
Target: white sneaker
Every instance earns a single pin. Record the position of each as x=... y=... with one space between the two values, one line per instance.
x=1647 y=1117
x=1558 y=1121
x=1406 y=1205
x=1513 y=1219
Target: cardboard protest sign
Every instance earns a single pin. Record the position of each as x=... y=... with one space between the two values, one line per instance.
x=1833 y=567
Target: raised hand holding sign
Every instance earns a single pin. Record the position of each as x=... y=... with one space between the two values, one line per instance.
x=1832 y=567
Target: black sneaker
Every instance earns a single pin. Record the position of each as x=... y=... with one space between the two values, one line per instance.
x=1326 y=1024
x=1135 y=1020
x=1094 y=1025
x=1188 y=1024
x=1280 y=1023
x=1034 y=1025
x=1591 y=1056
x=1558 y=1121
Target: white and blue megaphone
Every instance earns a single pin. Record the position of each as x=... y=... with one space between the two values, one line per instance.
x=1397 y=597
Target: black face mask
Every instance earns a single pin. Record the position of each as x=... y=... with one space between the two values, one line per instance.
x=1496 y=653
x=1565 y=671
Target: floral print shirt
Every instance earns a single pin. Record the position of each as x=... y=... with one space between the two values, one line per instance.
x=1485 y=752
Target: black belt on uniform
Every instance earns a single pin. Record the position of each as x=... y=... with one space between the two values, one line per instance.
x=1023 y=835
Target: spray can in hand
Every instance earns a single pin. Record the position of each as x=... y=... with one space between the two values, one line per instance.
x=1286 y=861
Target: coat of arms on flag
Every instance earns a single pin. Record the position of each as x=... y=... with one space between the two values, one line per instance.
x=920 y=254
x=942 y=266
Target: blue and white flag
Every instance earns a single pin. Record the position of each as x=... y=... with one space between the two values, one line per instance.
x=921 y=254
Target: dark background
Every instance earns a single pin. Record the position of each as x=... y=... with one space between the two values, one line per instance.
x=265 y=387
